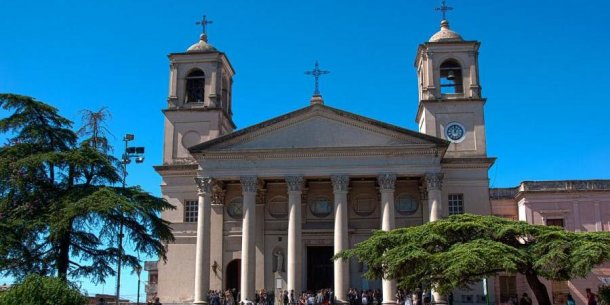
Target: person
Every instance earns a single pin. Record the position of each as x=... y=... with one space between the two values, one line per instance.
x=408 y=300
x=513 y=300
x=157 y=301
x=570 y=300
x=101 y=301
x=591 y=297
x=525 y=300
x=285 y=298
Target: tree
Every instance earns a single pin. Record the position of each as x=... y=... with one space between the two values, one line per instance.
x=36 y=290
x=460 y=250
x=60 y=208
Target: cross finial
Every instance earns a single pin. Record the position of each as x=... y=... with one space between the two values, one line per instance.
x=203 y=23
x=316 y=72
x=444 y=9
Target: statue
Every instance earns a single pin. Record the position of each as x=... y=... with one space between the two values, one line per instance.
x=279 y=261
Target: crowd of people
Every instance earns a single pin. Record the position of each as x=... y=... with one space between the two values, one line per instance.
x=354 y=297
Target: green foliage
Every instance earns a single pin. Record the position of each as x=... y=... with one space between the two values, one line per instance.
x=462 y=249
x=42 y=290
x=60 y=208
x=604 y=294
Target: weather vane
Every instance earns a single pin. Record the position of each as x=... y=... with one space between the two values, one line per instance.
x=204 y=22
x=316 y=72
x=443 y=9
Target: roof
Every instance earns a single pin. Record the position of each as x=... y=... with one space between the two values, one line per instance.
x=199 y=148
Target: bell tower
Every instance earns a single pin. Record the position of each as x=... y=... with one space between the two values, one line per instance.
x=199 y=105
x=450 y=101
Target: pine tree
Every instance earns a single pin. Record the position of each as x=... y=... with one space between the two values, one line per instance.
x=460 y=250
x=60 y=208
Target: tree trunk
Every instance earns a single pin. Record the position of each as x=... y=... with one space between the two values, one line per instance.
x=538 y=288
x=63 y=255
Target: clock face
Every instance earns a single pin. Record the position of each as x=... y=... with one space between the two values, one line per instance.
x=455 y=132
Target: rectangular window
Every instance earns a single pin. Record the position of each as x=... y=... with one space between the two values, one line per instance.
x=190 y=210
x=558 y=222
x=508 y=288
x=456 y=204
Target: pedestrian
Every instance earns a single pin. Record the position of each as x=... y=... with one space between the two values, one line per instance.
x=157 y=301
x=513 y=300
x=591 y=297
x=101 y=301
x=525 y=300
x=570 y=300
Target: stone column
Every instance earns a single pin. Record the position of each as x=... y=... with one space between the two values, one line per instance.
x=248 y=269
x=340 y=189
x=202 y=256
x=434 y=184
x=386 y=188
x=294 y=259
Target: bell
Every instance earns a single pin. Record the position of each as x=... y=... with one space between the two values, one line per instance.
x=450 y=75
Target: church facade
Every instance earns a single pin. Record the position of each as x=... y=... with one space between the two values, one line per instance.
x=267 y=206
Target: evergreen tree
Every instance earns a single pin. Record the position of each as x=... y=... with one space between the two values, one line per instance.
x=463 y=249
x=41 y=290
x=59 y=207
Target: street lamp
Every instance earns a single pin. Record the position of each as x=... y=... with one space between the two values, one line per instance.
x=138 y=271
x=138 y=154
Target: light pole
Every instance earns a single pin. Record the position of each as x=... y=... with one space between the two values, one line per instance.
x=138 y=154
x=138 y=271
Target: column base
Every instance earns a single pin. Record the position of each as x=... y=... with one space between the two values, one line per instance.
x=341 y=302
x=389 y=302
x=201 y=302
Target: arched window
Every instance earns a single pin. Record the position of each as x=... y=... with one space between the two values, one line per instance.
x=451 y=78
x=195 y=82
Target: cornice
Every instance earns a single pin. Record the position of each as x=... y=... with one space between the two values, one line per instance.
x=197 y=108
x=559 y=186
x=468 y=162
x=422 y=150
x=421 y=104
x=176 y=169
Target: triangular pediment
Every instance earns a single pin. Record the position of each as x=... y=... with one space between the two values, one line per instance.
x=318 y=126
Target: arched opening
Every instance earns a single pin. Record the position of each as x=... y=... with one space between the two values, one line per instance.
x=195 y=83
x=233 y=275
x=451 y=77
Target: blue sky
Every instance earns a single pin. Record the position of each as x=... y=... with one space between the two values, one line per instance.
x=543 y=66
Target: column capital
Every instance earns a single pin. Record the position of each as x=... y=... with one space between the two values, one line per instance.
x=249 y=184
x=340 y=183
x=434 y=181
x=295 y=183
x=386 y=182
x=204 y=185
x=218 y=192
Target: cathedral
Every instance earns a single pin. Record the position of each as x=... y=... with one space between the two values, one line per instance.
x=267 y=206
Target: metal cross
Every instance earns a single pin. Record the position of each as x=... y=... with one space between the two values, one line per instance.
x=316 y=72
x=443 y=9
x=204 y=22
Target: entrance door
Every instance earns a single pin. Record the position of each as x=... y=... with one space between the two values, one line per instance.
x=233 y=276
x=319 y=268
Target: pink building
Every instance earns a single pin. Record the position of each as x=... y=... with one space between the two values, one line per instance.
x=576 y=205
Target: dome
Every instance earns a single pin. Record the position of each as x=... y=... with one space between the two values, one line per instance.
x=445 y=34
x=202 y=45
